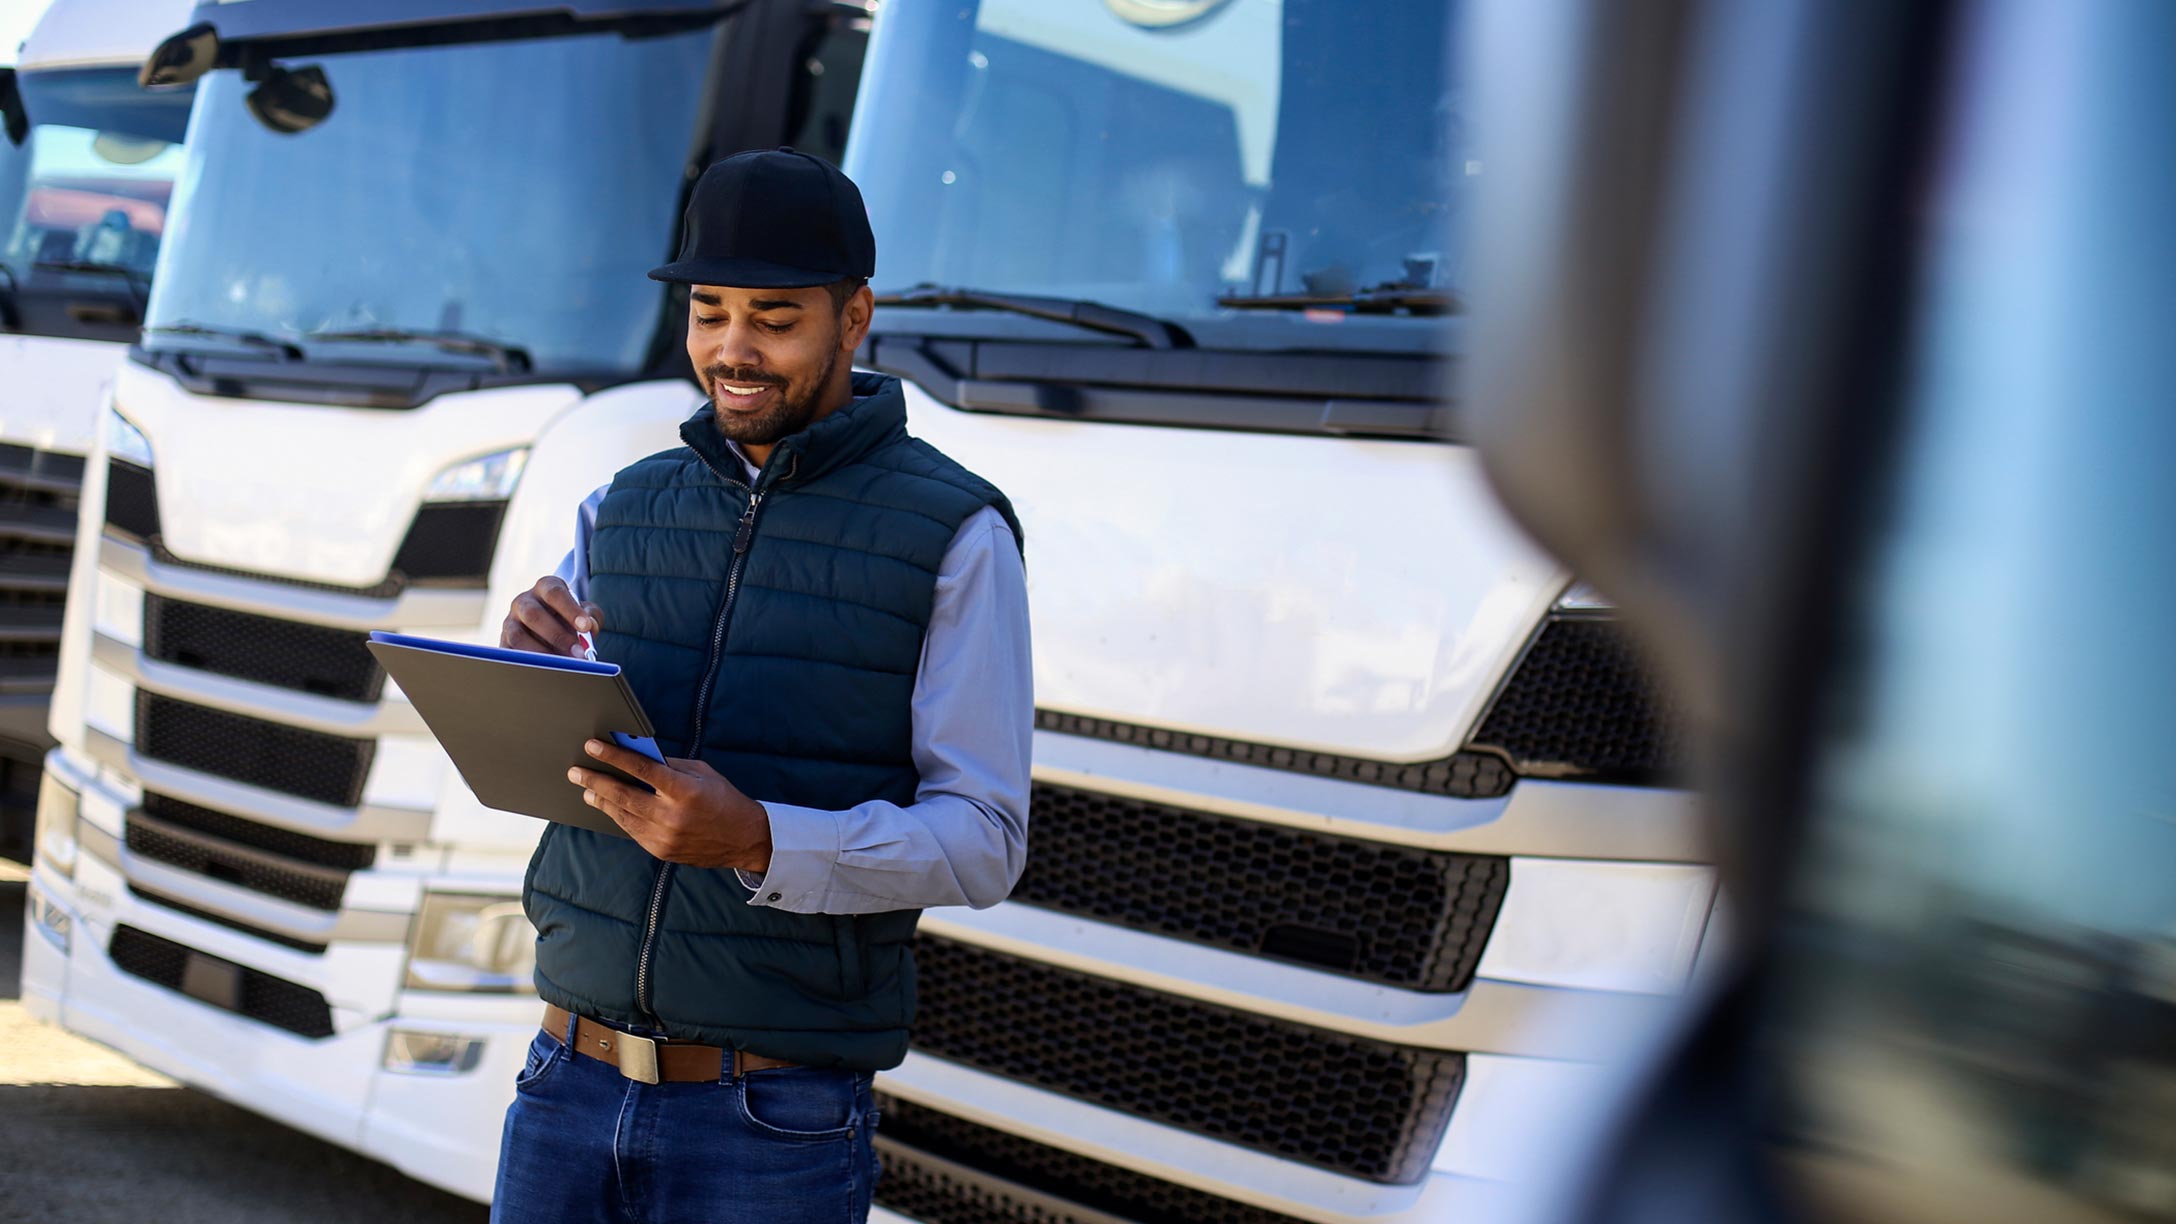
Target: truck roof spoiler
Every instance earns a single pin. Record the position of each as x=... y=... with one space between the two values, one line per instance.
x=226 y=35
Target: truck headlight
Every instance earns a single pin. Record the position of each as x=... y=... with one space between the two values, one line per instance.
x=126 y=442
x=55 y=836
x=472 y=943
x=484 y=478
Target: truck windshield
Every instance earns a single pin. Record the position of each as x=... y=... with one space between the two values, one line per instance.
x=513 y=194
x=1161 y=155
x=84 y=198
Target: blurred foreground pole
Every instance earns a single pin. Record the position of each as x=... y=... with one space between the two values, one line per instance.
x=1832 y=338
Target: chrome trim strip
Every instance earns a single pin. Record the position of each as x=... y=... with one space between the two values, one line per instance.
x=1540 y=819
x=1489 y=1017
x=415 y=608
x=371 y=822
x=308 y=711
x=240 y=904
x=1188 y=1159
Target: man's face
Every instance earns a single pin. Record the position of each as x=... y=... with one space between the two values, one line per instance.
x=768 y=357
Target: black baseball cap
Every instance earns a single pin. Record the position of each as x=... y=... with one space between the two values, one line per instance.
x=773 y=219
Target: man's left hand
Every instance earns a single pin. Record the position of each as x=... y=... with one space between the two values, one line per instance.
x=696 y=817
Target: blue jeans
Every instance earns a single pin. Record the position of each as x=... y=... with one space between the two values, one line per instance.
x=585 y=1145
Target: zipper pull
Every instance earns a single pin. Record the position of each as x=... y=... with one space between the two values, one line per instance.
x=747 y=529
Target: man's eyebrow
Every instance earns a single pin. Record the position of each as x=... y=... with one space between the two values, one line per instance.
x=774 y=304
x=708 y=299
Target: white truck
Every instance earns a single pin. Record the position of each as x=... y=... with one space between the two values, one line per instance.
x=87 y=163
x=1352 y=844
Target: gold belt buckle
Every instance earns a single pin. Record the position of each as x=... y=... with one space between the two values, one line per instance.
x=638 y=1057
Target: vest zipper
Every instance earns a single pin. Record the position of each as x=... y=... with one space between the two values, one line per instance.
x=743 y=535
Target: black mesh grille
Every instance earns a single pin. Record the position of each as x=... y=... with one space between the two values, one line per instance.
x=1583 y=704
x=451 y=543
x=278 y=937
x=1405 y=917
x=305 y=658
x=274 y=1001
x=132 y=499
x=1462 y=775
x=348 y=856
x=925 y=1152
x=255 y=870
x=1350 y=1104
x=327 y=768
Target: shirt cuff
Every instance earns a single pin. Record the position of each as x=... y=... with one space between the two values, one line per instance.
x=804 y=849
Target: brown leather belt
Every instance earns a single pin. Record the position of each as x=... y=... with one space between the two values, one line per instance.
x=649 y=1060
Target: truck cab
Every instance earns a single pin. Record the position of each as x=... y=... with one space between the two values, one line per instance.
x=1357 y=837
x=87 y=165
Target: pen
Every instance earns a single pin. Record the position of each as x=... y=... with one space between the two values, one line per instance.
x=589 y=650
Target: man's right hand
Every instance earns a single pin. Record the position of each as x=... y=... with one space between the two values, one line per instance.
x=546 y=617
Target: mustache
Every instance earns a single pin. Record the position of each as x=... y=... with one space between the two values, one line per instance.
x=715 y=374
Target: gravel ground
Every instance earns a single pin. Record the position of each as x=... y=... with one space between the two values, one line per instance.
x=91 y=1138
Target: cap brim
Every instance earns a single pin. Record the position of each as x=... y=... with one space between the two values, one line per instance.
x=742 y=274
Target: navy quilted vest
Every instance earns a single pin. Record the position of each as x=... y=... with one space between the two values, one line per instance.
x=774 y=632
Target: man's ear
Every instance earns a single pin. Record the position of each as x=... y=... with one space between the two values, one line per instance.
x=854 y=319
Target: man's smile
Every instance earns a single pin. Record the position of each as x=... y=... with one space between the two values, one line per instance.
x=741 y=397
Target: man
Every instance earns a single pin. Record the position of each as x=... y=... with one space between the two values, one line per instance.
x=826 y=620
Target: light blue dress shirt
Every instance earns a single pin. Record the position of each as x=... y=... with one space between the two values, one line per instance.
x=964 y=839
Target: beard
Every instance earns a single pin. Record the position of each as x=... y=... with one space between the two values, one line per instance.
x=790 y=410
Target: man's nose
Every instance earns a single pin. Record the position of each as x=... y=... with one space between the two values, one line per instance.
x=737 y=347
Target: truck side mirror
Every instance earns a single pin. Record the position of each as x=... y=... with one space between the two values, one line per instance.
x=291 y=100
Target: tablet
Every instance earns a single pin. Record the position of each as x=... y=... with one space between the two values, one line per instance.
x=515 y=721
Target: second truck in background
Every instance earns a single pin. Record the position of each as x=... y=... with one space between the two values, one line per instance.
x=87 y=163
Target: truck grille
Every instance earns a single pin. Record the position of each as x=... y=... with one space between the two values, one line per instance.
x=234 y=924
x=349 y=856
x=945 y=1170
x=326 y=768
x=255 y=870
x=270 y=1000
x=1462 y=775
x=1410 y=918
x=39 y=493
x=1582 y=704
x=264 y=649
x=1349 y=1104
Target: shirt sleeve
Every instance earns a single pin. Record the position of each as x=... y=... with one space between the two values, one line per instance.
x=574 y=567
x=964 y=839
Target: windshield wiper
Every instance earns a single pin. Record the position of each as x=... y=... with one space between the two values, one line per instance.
x=510 y=358
x=138 y=285
x=1382 y=299
x=1148 y=329
x=287 y=349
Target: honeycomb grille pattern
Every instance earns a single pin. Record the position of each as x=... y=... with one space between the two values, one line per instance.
x=921 y=1187
x=1349 y=1104
x=1462 y=775
x=205 y=915
x=132 y=499
x=347 y=856
x=326 y=768
x=319 y=888
x=281 y=653
x=451 y=543
x=1404 y=917
x=1582 y=704
x=270 y=1000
